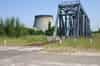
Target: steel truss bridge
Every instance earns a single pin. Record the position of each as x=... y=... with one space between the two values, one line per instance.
x=72 y=20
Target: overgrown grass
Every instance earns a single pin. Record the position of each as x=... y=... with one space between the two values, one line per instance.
x=21 y=41
x=79 y=44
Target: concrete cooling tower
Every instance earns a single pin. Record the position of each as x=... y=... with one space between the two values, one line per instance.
x=41 y=21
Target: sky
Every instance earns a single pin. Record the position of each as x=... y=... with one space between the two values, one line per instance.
x=25 y=10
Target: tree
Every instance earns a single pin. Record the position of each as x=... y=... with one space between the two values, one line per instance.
x=31 y=31
x=99 y=30
x=21 y=30
x=2 y=32
x=18 y=28
x=49 y=26
x=10 y=26
x=7 y=26
x=50 y=30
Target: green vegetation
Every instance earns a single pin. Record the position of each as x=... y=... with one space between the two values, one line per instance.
x=12 y=27
x=50 y=30
x=23 y=40
x=76 y=44
x=13 y=32
x=97 y=31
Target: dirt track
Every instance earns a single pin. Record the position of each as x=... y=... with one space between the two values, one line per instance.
x=43 y=43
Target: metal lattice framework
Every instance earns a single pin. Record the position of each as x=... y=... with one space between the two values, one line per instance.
x=72 y=20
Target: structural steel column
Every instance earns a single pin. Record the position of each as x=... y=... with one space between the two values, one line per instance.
x=66 y=29
x=86 y=26
x=78 y=16
x=83 y=24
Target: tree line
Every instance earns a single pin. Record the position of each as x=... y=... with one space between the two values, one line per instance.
x=13 y=27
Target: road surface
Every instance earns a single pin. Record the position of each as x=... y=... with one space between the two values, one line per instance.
x=32 y=57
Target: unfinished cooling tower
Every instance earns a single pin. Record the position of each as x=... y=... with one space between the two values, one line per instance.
x=41 y=21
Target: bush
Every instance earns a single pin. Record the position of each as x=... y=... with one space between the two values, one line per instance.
x=12 y=27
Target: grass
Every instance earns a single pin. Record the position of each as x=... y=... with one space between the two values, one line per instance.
x=21 y=41
x=76 y=44
x=67 y=45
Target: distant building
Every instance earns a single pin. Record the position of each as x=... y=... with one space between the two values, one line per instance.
x=41 y=22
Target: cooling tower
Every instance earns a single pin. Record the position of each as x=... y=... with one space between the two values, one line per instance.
x=41 y=21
